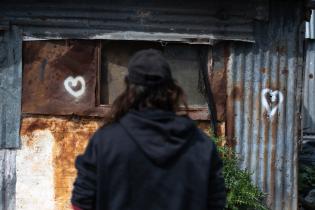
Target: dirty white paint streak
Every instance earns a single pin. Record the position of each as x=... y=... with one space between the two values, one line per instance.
x=72 y=82
x=275 y=97
x=35 y=180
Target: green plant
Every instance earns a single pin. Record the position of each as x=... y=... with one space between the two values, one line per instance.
x=306 y=177
x=242 y=194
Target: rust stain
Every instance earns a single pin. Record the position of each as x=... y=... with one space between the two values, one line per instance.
x=36 y=125
x=285 y=71
x=28 y=129
x=218 y=87
x=70 y=139
x=265 y=152
x=257 y=107
x=273 y=169
x=263 y=70
x=281 y=49
x=218 y=79
x=237 y=92
x=230 y=121
x=204 y=126
x=68 y=144
x=221 y=129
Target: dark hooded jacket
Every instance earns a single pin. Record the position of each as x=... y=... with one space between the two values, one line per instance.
x=149 y=160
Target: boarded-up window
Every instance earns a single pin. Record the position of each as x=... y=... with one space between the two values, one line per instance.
x=83 y=77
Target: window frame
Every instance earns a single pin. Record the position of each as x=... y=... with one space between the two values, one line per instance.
x=196 y=112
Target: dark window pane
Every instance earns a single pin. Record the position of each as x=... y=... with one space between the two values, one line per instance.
x=183 y=58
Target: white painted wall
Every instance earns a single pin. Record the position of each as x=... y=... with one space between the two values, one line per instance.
x=35 y=180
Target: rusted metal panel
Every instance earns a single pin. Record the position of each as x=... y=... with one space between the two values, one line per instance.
x=309 y=90
x=59 y=77
x=10 y=87
x=7 y=179
x=45 y=163
x=264 y=101
x=212 y=19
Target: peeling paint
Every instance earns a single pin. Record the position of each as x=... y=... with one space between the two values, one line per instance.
x=45 y=163
x=34 y=187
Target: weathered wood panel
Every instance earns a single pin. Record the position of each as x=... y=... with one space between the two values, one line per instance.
x=7 y=179
x=10 y=87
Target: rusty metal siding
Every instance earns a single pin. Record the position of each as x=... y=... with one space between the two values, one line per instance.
x=10 y=88
x=45 y=162
x=211 y=20
x=7 y=179
x=266 y=141
x=309 y=90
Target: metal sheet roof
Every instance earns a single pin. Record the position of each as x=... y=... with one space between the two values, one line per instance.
x=205 y=20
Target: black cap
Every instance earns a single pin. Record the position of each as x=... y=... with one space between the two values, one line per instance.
x=149 y=68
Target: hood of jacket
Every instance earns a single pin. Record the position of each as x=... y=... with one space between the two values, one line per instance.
x=161 y=135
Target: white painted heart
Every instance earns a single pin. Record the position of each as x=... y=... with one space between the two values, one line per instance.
x=72 y=82
x=274 y=95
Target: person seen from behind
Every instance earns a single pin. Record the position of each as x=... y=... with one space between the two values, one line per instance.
x=148 y=156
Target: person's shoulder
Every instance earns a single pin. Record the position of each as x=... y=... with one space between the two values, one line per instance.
x=198 y=134
x=109 y=129
x=106 y=131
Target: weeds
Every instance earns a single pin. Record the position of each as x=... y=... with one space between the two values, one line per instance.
x=242 y=194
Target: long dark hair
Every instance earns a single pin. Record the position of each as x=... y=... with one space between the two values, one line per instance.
x=169 y=97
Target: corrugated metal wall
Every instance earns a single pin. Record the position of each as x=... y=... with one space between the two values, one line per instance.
x=309 y=89
x=7 y=179
x=310 y=27
x=10 y=87
x=264 y=94
x=309 y=84
x=265 y=129
x=10 y=112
